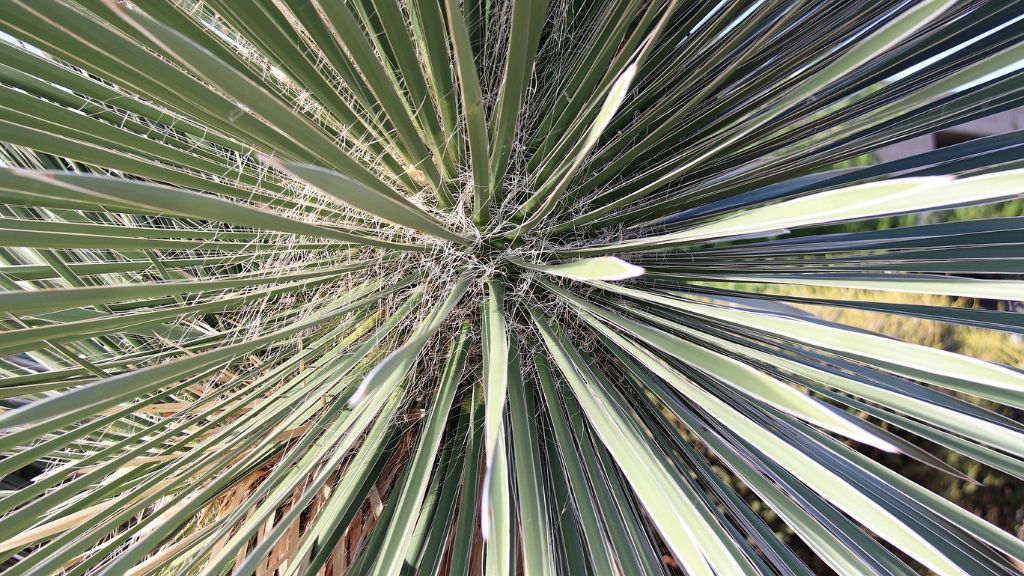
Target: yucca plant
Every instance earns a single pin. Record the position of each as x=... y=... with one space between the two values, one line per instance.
x=379 y=287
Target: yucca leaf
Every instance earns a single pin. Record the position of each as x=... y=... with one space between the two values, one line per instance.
x=438 y=524
x=18 y=340
x=596 y=551
x=387 y=205
x=466 y=522
x=689 y=526
x=530 y=483
x=36 y=301
x=914 y=283
x=97 y=192
x=607 y=268
x=428 y=20
x=853 y=502
x=496 y=504
x=390 y=371
x=941 y=367
x=247 y=94
x=392 y=551
x=497 y=515
x=523 y=38
x=864 y=201
x=615 y=287
x=738 y=375
x=837 y=545
x=544 y=201
x=472 y=110
x=110 y=391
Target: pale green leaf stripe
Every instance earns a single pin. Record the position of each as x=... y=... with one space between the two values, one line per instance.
x=939 y=363
x=858 y=505
x=635 y=554
x=496 y=359
x=971 y=448
x=951 y=512
x=885 y=38
x=393 y=550
x=496 y=526
x=736 y=374
x=391 y=207
x=687 y=526
x=607 y=268
x=748 y=522
x=493 y=508
x=910 y=283
x=855 y=202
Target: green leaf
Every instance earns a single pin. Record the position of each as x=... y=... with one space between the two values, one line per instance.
x=532 y=518
x=862 y=507
x=99 y=192
x=743 y=377
x=472 y=110
x=109 y=391
x=689 y=527
x=466 y=522
x=305 y=287
x=910 y=283
x=607 y=268
x=393 y=369
x=544 y=201
x=391 y=207
x=394 y=547
x=596 y=551
x=943 y=368
x=855 y=202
